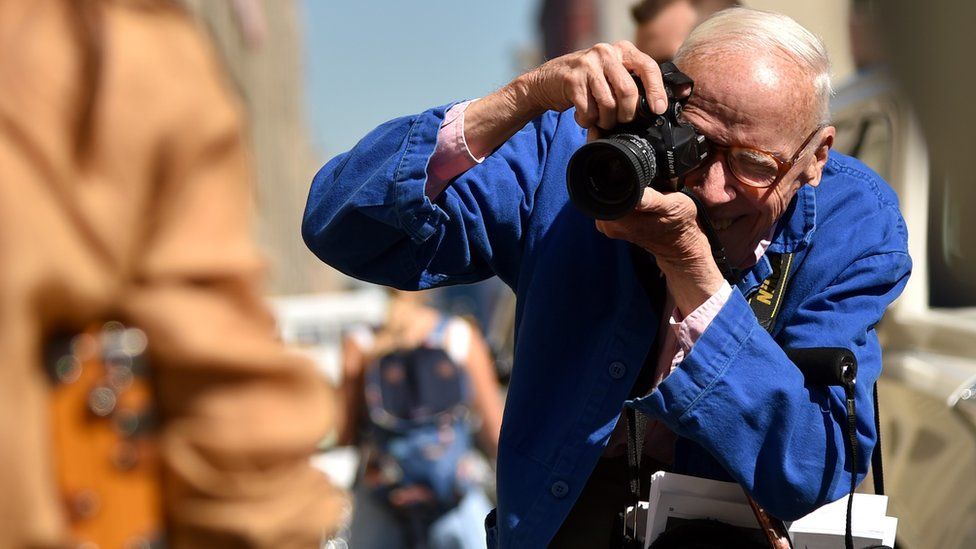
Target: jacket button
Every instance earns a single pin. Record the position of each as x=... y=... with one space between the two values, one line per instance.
x=617 y=370
x=559 y=489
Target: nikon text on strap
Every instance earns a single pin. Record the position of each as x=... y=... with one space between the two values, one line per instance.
x=766 y=301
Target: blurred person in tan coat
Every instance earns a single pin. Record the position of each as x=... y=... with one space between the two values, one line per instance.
x=126 y=195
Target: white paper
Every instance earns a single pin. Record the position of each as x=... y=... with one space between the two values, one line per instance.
x=868 y=521
x=683 y=497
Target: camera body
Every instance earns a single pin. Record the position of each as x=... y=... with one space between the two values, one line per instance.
x=607 y=176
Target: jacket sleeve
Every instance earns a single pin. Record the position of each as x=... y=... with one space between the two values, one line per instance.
x=367 y=214
x=739 y=397
x=241 y=414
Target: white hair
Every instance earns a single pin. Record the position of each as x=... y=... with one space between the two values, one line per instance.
x=746 y=29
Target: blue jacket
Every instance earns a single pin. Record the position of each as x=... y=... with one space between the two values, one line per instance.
x=584 y=324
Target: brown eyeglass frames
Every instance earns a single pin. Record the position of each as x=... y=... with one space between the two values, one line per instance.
x=758 y=168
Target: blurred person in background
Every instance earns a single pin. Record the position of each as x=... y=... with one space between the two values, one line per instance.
x=414 y=389
x=867 y=48
x=126 y=196
x=662 y=25
x=635 y=310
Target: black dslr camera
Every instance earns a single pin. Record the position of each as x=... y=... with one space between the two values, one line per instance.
x=606 y=177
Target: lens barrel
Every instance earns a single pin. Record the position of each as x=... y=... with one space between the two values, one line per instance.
x=606 y=177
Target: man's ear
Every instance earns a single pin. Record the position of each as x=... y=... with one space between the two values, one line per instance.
x=814 y=171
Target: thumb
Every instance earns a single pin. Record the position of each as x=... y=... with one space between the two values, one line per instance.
x=651 y=200
x=670 y=204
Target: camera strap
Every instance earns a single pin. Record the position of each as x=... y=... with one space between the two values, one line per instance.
x=718 y=251
x=636 y=430
x=768 y=297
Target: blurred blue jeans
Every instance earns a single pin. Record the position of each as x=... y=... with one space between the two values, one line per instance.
x=375 y=527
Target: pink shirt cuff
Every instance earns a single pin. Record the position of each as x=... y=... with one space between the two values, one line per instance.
x=688 y=330
x=451 y=155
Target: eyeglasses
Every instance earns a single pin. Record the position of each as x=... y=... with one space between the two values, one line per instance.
x=757 y=168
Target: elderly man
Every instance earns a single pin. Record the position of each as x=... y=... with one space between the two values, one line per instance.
x=636 y=308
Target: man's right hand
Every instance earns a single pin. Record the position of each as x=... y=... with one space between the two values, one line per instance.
x=596 y=81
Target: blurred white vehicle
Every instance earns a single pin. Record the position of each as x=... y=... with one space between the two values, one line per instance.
x=314 y=323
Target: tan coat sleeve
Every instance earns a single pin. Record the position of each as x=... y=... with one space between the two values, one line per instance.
x=241 y=414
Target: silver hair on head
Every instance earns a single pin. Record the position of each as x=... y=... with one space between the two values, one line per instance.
x=746 y=29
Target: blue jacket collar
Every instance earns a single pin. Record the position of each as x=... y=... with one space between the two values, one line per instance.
x=793 y=232
x=795 y=229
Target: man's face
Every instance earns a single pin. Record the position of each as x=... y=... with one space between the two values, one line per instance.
x=661 y=36
x=761 y=101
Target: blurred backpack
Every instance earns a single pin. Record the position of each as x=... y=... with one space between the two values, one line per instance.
x=418 y=426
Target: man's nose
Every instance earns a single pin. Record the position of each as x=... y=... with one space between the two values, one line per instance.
x=714 y=182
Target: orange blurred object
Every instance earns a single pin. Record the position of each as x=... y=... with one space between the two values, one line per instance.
x=106 y=456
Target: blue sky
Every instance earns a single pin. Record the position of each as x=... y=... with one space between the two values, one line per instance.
x=368 y=61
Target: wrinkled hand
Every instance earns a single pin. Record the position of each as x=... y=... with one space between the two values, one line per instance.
x=597 y=82
x=664 y=224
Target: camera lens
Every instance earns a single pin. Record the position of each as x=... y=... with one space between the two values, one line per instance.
x=606 y=177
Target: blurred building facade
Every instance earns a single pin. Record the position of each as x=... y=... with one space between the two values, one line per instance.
x=260 y=42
